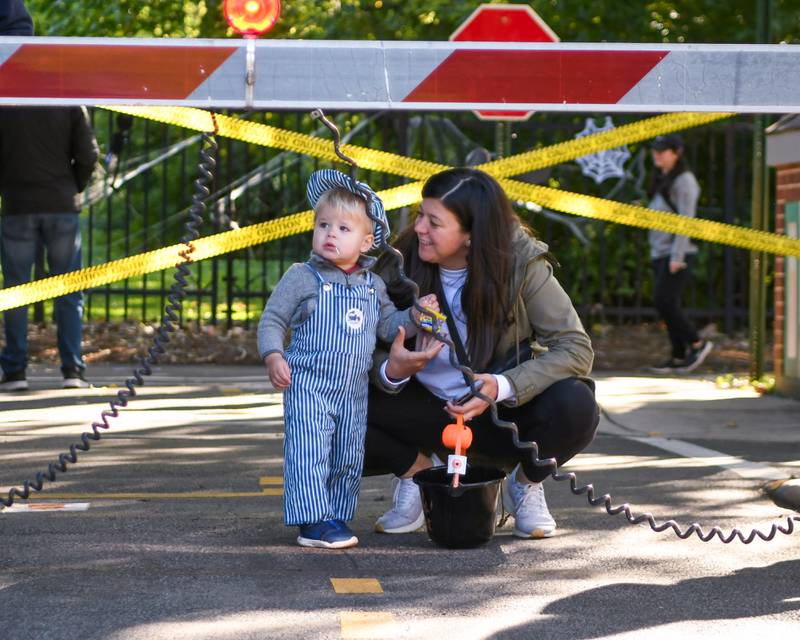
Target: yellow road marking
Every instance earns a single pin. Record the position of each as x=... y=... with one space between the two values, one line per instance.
x=278 y=480
x=191 y=495
x=356 y=585
x=367 y=624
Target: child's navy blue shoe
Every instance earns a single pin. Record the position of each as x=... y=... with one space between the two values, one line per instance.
x=343 y=527
x=330 y=534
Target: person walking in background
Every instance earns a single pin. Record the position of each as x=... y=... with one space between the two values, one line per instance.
x=47 y=156
x=674 y=188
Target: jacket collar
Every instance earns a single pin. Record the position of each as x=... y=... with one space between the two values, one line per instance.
x=365 y=263
x=526 y=248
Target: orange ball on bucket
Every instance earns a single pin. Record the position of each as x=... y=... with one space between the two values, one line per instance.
x=450 y=435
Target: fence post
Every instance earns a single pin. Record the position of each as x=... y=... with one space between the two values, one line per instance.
x=758 y=259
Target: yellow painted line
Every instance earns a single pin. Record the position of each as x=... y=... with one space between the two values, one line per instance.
x=367 y=624
x=278 y=480
x=356 y=585
x=190 y=495
x=231 y=391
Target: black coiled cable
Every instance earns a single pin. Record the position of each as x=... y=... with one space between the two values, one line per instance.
x=552 y=466
x=169 y=322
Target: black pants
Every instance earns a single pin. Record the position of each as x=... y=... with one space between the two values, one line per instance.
x=667 y=293
x=561 y=420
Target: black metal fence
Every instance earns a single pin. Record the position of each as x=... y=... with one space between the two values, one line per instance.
x=138 y=203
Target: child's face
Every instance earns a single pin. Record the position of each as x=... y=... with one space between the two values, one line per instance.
x=341 y=236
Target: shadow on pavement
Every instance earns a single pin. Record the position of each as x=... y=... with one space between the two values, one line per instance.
x=623 y=607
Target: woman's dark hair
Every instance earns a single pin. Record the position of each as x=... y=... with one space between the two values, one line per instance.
x=483 y=209
x=661 y=182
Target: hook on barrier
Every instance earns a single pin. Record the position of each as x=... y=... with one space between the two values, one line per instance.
x=319 y=114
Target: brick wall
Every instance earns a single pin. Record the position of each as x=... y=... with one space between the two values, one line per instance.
x=788 y=190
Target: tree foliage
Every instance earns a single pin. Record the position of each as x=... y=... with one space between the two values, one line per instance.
x=585 y=21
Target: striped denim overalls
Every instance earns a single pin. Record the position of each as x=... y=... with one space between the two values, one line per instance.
x=325 y=406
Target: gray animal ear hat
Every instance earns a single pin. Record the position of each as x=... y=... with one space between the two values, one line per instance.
x=327 y=179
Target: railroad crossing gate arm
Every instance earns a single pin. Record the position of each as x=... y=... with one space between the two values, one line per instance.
x=368 y=75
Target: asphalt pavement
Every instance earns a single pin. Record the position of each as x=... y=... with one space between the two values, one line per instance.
x=170 y=527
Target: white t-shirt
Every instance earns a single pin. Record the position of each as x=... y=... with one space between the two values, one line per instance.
x=439 y=376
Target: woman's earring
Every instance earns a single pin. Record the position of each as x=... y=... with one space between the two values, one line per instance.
x=468 y=243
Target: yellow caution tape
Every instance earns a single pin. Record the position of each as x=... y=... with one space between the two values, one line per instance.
x=404 y=195
x=573 y=203
x=635 y=216
x=152 y=261
x=594 y=143
x=267 y=136
x=385 y=162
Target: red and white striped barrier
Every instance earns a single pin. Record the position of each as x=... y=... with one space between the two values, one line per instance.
x=452 y=76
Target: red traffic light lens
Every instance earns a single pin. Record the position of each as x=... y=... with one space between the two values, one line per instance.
x=252 y=17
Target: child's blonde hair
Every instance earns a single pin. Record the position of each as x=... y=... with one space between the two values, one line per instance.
x=346 y=202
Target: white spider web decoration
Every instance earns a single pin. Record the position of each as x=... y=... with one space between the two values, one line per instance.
x=604 y=164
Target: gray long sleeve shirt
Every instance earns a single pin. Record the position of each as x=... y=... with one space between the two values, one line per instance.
x=684 y=194
x=294 y=299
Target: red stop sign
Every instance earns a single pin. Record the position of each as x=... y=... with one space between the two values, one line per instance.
x=504 y=23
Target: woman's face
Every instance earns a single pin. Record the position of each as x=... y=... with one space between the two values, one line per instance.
x=442 y=241
x=665 y=159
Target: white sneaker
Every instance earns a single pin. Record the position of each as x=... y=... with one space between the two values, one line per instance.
x=525 y=501
x=406 y=513
x=73 y=379
x=14 y=382
x=75 y=383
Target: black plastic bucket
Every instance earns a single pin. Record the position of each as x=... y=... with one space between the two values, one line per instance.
x=464 y=517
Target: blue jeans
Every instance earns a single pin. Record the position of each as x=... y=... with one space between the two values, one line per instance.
x=60 y=235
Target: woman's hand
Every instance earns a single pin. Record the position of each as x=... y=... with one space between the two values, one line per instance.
x=429 y=302
x=280 y=375
x=403 y=363
x=475 y=406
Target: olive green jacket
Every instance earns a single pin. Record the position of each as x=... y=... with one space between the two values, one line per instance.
x=541 y=312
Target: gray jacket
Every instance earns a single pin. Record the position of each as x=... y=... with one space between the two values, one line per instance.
x=294 y=299
x=541 y=311
x=684 y=194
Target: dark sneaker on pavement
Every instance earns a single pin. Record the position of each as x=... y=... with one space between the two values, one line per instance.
x=696 y=356
x=14 y=381
x=673 y=365
x=73 y=379
x=330 y=534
